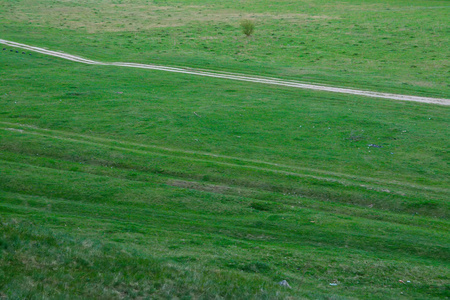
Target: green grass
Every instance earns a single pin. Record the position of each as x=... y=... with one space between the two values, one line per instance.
x=119 y=192
x=399 y=46
x=123 y=183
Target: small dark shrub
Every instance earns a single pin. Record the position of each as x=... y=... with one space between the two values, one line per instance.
x=248 y=26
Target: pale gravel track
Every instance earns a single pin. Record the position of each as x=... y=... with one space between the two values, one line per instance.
x=233 y=76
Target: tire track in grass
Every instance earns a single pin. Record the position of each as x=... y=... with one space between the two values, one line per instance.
x=224 y=160
x=233 y=76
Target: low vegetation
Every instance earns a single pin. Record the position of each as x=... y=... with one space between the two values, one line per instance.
x=248 y=26
x=122 y=183
x=382 y=46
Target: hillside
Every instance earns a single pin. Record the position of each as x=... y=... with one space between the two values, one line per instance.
x=121 y=183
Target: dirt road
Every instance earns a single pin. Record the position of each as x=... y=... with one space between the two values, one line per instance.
x=233 y=76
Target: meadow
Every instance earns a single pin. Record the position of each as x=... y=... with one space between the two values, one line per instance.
x=123 y=183
x=392 y=46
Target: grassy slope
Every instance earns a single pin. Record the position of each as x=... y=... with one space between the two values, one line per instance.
x=119 y=199
x=189 y=187
x=399 y=46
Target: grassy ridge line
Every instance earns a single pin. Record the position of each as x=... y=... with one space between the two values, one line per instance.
x=300 y=238
x=209 y=157
x=429 y=245
x=239 y=77
x=230 y=190
x=330 y=230
x=259 y=196
x=142 y=163
x=233 y=165
x=234 y=189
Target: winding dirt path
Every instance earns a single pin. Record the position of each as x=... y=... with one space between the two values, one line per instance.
x=233 y=76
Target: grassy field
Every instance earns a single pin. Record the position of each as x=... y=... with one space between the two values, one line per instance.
x=397 y=46
x=123 y=183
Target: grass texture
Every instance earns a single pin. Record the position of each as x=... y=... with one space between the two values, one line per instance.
x=399 y=46
x=120 y=183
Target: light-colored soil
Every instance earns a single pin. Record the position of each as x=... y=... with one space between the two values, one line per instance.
x=234 y=76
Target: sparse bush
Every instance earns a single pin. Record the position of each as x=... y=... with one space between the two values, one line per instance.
x=248 y=26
